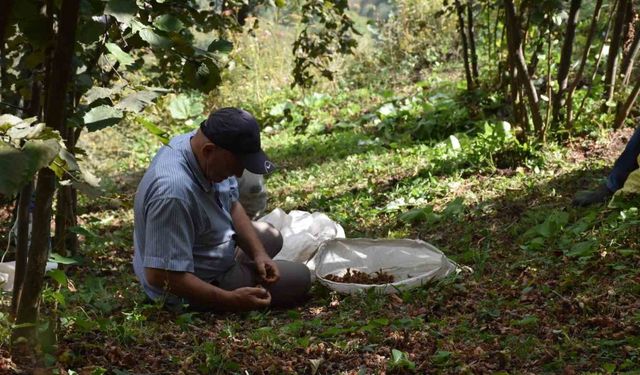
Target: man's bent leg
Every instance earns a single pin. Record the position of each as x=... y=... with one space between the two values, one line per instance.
x=295 y=278
x=269 y=236
x=292 y=288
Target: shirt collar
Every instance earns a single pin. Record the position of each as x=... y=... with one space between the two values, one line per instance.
x=194 y=166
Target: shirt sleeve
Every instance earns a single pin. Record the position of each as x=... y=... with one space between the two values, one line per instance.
x=169 y=236
x=234 y=193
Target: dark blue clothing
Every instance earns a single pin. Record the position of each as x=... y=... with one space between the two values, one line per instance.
x=626 y=163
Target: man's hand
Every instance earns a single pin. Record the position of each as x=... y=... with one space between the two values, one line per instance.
x=250 y=298
x=267 y=269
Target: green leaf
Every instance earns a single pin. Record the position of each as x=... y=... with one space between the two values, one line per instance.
x=202 y=76
x=153 y=129
x=90 y=31
x=583 y=249
x=220 y=45
x=154 y=39
x=527 y=321
x=280 y=3
x=96 y=93
x=19 y=166
x=137 y=101
x=83 y=232
x=57 y=258
x=441 y=357
x=40 y=153
x=123 y=10
x=58 y=275
x=124 y=58
x=417 y=214
x=168 y=23
x=101 y=117
x=183 y=107
x=14 y=166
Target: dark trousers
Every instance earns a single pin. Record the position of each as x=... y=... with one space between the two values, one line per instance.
x=295 y=278
x=626 y=163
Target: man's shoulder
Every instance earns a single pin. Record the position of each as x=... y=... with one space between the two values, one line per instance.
x=168 y=176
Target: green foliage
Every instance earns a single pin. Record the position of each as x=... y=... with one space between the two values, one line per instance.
x=327 y=30
x=400 y=361
x=25 y=148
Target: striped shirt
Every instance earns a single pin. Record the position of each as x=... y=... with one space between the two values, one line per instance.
x=182 y=221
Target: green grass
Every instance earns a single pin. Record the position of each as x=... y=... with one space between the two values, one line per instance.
x=525 y=308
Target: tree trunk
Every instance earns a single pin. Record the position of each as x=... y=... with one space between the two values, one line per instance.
x=66 y=242
x=612 y=58
x=595 y=70
x=465 y=50
x=583 y=62
x=22 y=248
x=565 y=61
x=472 y=41
x=513 y=33
x=630 y=58
x=54 y=117
x=623 y=111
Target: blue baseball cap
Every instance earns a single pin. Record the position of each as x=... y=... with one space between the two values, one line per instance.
x=236 y=130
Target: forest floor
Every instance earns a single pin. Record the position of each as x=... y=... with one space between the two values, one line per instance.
x=554 y=288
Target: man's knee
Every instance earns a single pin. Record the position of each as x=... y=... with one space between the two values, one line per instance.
x=270 y=237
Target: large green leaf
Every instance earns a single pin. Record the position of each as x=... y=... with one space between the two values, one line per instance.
x=168 y=23
x=137 y=101
x=154 y=39
x=102 y=117
x=40 y=153
x=12 y=163
x=124 y=58
x=123 y=10
x=20 y=165
x=184 y=107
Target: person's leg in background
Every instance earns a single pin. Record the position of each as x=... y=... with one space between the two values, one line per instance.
x=626 y=163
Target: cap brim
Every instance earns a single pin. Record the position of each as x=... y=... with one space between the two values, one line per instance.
x=257 y=163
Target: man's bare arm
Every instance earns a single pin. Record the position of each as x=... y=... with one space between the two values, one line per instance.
x=250 y=243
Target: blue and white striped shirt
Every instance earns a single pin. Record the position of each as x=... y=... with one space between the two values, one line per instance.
x=182 y=221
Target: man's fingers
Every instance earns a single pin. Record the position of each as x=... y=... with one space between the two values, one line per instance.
x=262 y=271
x=262 y=298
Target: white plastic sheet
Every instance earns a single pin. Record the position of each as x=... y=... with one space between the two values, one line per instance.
x=411 y=262
x=8 y=270
x=302 y=233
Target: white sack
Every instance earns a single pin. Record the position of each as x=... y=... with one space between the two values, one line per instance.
x=411 y=262
x=302 y=233
x=8 y=270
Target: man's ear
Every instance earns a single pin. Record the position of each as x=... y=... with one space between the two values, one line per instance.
x=208 y=148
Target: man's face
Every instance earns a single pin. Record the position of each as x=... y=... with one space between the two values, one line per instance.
x=220 y=164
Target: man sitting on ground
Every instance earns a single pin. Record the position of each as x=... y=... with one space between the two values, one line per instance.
x=626 y=163
x=193 y=241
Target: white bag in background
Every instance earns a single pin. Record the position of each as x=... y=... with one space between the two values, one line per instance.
x=411 y=262
x=253 y=194
x=302 y=233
